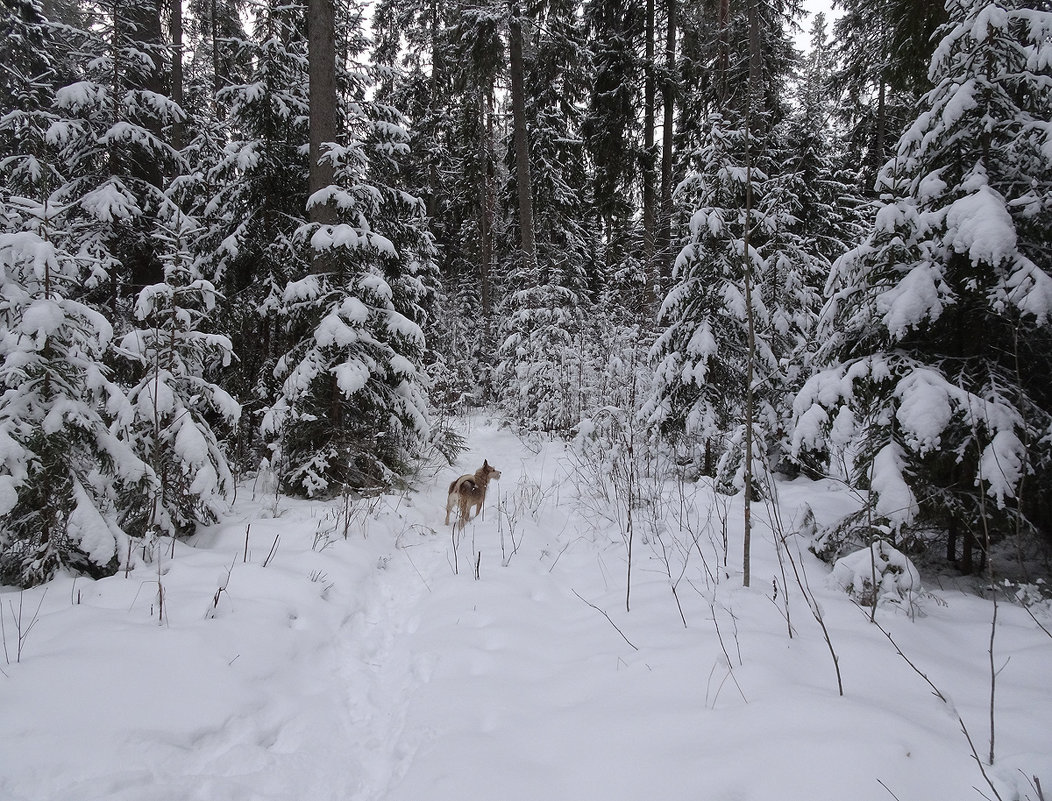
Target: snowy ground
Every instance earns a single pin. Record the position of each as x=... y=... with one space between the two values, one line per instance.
x=376 y=666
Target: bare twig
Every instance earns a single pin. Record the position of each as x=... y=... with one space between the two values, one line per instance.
x=816 y=612
x=611 y=622
x=939 y=694
x=273 y=550
x=416 y=569
x=881 y=783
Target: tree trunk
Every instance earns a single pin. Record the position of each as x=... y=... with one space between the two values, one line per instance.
x=175 y=22
x=217 y=82
x=649 y=179
x=967 y=560
x=486 y=207
x=321 y=69
x=750 y=397
x=522 y=154
x=668 y=92
x=723 y=62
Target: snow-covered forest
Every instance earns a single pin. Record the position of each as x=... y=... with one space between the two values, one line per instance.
x=766 y=328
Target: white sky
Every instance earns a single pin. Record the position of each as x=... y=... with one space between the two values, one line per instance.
x=813 y=7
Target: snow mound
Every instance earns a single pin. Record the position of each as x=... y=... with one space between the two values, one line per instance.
x=881 y=566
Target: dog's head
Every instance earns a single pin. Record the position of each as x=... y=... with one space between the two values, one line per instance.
x=489 y=471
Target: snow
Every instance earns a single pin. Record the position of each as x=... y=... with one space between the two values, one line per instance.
x=895 y=500
x=919 y=296
x=979 y=224
x=924 y=410
x=308 y=651
x=111 y=202
x=881 y=566
x=89 y=529
x=1001 y=466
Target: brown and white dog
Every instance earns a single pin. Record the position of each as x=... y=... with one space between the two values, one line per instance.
x=469 y=491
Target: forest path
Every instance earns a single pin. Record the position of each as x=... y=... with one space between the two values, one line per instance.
x=509 y=683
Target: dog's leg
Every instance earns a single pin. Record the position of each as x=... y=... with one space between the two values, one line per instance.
x=449 y=505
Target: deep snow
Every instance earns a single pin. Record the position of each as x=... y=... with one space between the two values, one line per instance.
x=376 y=666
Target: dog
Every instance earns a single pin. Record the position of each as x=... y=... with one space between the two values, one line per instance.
x=469 y=491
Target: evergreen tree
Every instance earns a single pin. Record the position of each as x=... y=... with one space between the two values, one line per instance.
x=740 y=299
x=252 y=199
x=172 y=401
x=611 y=132
x=936 y=329
x=352 y=407
x=883 y=48
x=85 y=165
x=540 y=359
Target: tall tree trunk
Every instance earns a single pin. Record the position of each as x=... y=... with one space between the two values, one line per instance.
x=750 y=397
x=321 y=70
x=434 y=81
x=881 y=133
x=723 y=59
x=486 y=207
x=668 y=99
x=175 y=22
x=217 y=83
x=649 y=179
x=522 y=153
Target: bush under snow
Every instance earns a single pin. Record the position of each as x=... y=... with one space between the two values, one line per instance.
x=879 y=572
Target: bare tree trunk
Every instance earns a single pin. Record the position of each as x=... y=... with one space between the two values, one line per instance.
x=175 y=22
x=668 y=93
x=522 y=154
x=882 y=124
x=217 y=84
x=750 y=399
x=321 y=68
x=437 y=70
x=723 y=59
x=649 y=179
x=486 y=208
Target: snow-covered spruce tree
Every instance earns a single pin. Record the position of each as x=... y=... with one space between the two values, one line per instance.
x=540 y=366
x=702 y=351
x=352 y=409
x=172 y=401
x=450 y=58
x=936 y=329
x=61 y=464
x=116 y=162
x=743 y=240
x=250 y=194
x=818 y=215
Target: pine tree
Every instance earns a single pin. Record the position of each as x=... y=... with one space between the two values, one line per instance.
x=937 y=325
